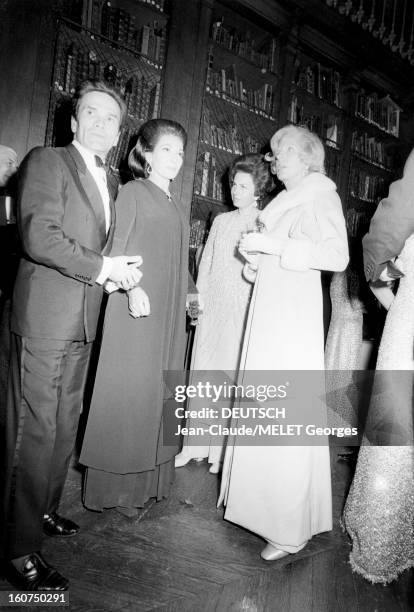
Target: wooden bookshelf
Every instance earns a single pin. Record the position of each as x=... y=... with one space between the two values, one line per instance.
x=375 y=121
x=241 y=106
x=121 y=43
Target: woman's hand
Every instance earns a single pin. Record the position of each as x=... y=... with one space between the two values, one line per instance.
x=251 y=258
x=383 y=292
x=257 y=242
x=138 y=303
x=250 y=272
x=252 y=243
x=194 y=307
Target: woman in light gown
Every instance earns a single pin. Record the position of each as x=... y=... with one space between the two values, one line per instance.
x=225 y=295
x=379 y=511
x=283 y=493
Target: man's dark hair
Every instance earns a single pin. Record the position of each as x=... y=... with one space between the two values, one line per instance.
x=88 y=86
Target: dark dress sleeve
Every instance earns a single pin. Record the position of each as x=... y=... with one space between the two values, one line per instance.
x=126 y=211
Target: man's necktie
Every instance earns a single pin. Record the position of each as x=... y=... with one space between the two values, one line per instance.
x=99 y=163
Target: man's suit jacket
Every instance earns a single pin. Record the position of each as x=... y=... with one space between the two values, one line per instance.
x=391 y=225
x=61 y=222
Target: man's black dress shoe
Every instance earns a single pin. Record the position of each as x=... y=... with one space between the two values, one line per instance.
x=35 y=575
x=57 y=526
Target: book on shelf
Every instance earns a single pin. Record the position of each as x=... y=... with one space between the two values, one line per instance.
x=207 y=180
x=367 y=187
x=333 y=130
x=155 y=100
x=325 y=83
x=226 y=137
x=225 y=84
x=336 y=89
x=198 y=173
x=205 y=173
x=120 y=26
x=265 y=56
x=310 y=80
x=318 y=80
x=197 y=233
x=371 y=149
x=384 y=112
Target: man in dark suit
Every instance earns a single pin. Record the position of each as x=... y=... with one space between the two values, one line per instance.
x=391 y=225
x=66 y=220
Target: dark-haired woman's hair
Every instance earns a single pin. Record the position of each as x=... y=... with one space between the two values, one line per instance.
x=258 y=168
x=148 y=136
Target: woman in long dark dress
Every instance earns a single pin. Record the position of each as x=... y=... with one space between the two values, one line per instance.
x=144 y=334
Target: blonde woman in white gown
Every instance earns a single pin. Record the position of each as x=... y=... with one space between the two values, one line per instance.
x=283 y=493
x=225 y=294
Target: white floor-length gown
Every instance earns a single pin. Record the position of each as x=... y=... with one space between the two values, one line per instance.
x=283 y=493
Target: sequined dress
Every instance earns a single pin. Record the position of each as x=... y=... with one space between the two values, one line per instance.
x=343 y=352
x=379 y=512
x=225 y=294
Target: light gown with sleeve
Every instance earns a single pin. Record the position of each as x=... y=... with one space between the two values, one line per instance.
x=219 y=336
x=379 y=511
x=283 y=493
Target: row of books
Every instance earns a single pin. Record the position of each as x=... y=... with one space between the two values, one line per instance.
x=328 y=127
x=382 y=112
x=325 y=83
x=225 y=84
x=207 y=179
x=75 y=64
x=371 y=149
x=120 y=26
x=265 y=55
x=198 y=230
x=367 y=187
x=141 y=98
x=357 y=222
x=226 y=138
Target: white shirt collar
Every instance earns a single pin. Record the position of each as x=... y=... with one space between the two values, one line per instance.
x=88 y=156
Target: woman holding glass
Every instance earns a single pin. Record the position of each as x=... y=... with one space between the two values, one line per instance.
x=283 y=493
x=225 y=295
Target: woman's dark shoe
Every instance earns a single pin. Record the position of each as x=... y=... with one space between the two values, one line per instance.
x=128 y=512
x=57 y=526
x=33 y=573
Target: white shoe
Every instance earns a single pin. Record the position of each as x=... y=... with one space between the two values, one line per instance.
x=215 y=467
x=271 y=553
x=183 y=458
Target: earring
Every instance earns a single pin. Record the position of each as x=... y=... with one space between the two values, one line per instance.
x=148 y=168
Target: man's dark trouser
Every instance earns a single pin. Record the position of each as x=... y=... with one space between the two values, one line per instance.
x=45 y=391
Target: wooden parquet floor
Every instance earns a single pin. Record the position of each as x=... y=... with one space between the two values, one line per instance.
x=180 y=555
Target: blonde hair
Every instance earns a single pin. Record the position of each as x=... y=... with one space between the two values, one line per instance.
x=311 y=149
